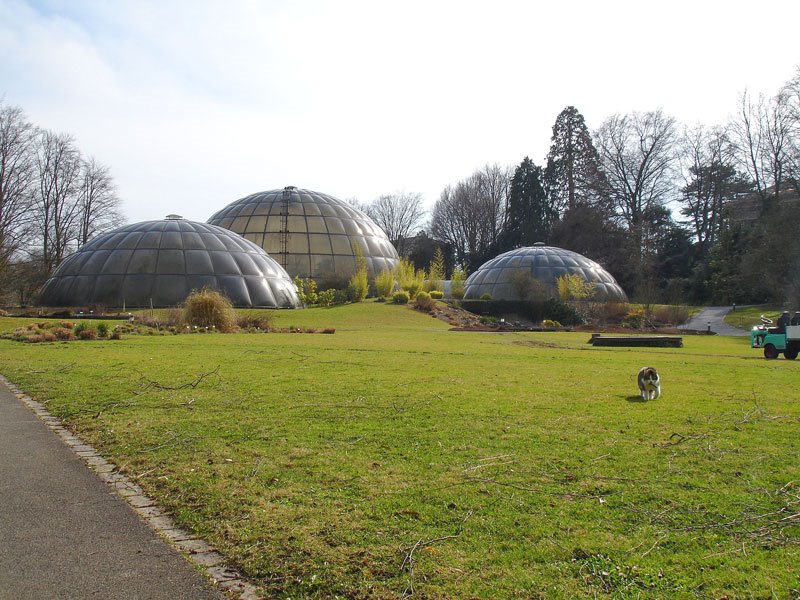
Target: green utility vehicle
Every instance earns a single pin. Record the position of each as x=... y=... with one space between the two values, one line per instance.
x=774 y=340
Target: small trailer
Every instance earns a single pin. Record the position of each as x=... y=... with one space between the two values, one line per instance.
x=774 y=341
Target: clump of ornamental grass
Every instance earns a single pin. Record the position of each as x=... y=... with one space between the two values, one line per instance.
x=208 y=308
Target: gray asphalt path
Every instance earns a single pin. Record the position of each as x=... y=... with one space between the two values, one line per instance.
x=64 y=534
x=713 y=316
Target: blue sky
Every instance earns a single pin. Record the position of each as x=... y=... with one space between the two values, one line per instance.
x=194 y=104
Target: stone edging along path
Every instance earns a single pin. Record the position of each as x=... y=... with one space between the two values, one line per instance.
x=195 y=550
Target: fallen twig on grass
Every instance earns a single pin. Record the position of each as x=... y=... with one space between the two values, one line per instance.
x=680 y=439
x=408 y=558
x=149 y=383
x=174 y=441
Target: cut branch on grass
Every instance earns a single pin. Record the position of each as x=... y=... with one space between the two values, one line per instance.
x=408 y=557
x=147 y=384
x=171 y=443
x=677 y=438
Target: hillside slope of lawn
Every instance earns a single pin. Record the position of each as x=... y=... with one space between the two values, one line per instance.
x=396 y=456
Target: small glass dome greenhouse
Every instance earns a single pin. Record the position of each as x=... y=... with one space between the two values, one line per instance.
x=310 y=234
x=159 y=263
x=500 y=276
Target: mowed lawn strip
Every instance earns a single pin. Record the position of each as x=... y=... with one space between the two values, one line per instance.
x=397 y=456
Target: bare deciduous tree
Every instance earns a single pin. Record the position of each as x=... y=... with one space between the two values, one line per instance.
x=98 y=201
x=399 y=215
x=16 y=179
x=57 y=206
x=790 y=97
x=470 y=215
x=763 y=133
x=710 y=181
x=637 y=152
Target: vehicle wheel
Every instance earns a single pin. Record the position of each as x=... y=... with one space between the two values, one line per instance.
x=790 y=354
x=770 y=352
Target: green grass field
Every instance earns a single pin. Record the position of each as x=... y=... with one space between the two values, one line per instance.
x=397 y=457
x=745 y=318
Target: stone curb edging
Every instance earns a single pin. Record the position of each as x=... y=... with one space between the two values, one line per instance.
x=195 y=550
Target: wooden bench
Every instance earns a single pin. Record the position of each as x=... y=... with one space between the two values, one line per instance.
x=654 y=341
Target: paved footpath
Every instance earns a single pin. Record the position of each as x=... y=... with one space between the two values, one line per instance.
x=66 y=534
x=713 y=316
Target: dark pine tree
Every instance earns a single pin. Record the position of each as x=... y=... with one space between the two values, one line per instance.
x=530 y=215
x=573 y=176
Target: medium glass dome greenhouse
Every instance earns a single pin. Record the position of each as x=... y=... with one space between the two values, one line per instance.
x=159 y=263
x=310 y=234
x=499 y=277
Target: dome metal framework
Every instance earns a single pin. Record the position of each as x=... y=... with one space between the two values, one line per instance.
x=545 y=264
x=159 y=263
x=309 y=233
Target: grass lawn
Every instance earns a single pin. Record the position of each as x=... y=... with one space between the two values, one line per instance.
x=395 y=456
x=746 y=317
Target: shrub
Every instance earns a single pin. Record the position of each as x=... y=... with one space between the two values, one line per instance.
x=174 y=317
x=424 y=302
x=384 y=283
x=38 y=337
x=358 y=287
x=261 y=321
x=436 y=272
x=437 y=294
x=636 y=318
x=410 y=280
x=209 y=308
x=572 y=286
x=486 y=296
x=62 y=333
x=457 y=287
x=329 y=330
x=671 y=315
x=306 y=290
x=148 y=321
x=116 y=334
x=550 y=324
x=82 y=326
x=88 y=333
x=3 y=313
x=327 y=298
x=102 y=329
x=612 y=312
x=400 y=297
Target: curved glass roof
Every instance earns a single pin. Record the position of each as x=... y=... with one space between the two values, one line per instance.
x=162 y=262
x=545 y=264
x=310 y=234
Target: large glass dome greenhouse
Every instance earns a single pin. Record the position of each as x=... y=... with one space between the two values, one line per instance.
x=499 y=277
x=159 y=263
x=310 y=234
